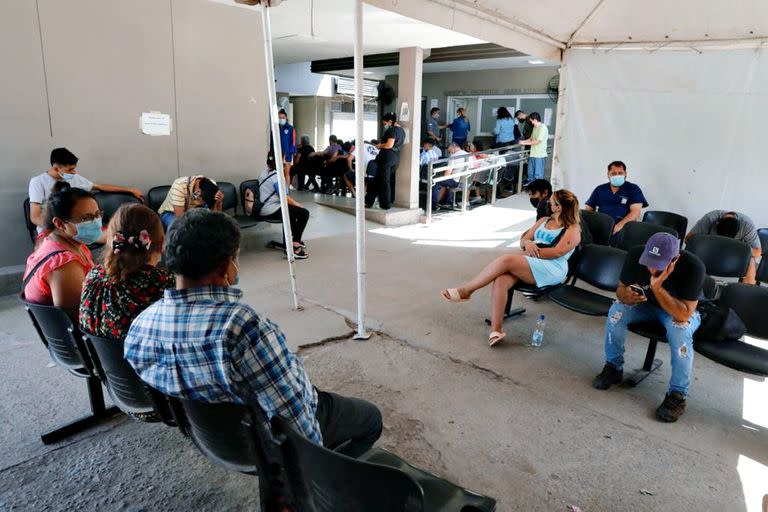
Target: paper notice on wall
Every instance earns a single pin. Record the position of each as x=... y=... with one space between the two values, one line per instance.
x=494 y=111
x=547 y=117
x=405 y=112
x=433 y=103
x=155 y=123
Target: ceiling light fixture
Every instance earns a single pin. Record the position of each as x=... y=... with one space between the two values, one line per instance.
x=536 y=61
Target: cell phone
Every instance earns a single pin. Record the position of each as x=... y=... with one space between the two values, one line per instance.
x=637 y=289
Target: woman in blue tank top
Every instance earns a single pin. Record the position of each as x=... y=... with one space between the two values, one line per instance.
x=541 y=260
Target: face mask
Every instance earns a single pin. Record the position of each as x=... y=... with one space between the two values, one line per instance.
x=66 y=176
x=89 y=231
x=535 y=202
x=521 y=121
x=283 y=121
x=617 y=181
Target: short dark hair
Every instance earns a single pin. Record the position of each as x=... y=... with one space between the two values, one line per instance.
x=208 y=191
x=428 y=140
x=200 y=242
x=617 y=163
x=518 y=112
x=333 y=139
x=63 y=156
x=389 y=116
x=62 y=201
x=539 y=186
x=282 y=111
x=534 y=116
x=728 y=226
x=433 y=110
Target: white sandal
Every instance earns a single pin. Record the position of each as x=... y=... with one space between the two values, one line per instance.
x=495 y=338
x=453 y=295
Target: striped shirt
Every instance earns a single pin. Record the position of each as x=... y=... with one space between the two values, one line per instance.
x=180 y=194
x=204 y=344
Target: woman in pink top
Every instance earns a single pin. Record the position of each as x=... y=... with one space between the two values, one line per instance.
x=56 y=270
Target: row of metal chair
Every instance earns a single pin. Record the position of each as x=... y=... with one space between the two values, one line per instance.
x=294 y=474
x=599 y=265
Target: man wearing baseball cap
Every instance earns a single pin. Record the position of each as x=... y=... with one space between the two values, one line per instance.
x=658 y=283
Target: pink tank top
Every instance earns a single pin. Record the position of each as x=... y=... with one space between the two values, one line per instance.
x=37 y=290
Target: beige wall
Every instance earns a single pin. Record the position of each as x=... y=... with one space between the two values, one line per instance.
x=106 y=61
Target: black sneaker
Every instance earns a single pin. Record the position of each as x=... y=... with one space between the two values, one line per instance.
x=299 y=253
x=671 y=408
x=608 y=377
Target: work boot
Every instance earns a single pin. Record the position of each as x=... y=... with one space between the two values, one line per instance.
x=608 y=377
x=671 y=408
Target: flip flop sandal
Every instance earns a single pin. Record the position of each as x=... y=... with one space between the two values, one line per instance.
x=452 y=295
x=495 y=338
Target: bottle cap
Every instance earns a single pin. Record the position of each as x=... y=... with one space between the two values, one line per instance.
x=541 y=317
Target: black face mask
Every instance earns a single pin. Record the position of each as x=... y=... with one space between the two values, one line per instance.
x=535 y=202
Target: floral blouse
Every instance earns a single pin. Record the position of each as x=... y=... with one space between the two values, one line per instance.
x=108 y=306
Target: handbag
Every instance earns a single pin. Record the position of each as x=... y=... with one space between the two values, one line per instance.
x=718 y=323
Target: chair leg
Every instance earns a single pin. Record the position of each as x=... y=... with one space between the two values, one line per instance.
x=99 y=413
x=508 y=311
x=650 y=365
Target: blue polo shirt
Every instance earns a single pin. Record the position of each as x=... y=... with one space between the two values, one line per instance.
x=460 y=128
x=616 y=205
x=288 y=141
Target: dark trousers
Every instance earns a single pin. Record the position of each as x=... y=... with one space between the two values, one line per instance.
x=343 y=419
x=299 y=218
x=383 y=186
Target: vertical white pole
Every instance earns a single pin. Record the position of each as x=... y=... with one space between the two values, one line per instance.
x=360 y=173
x=275 y=127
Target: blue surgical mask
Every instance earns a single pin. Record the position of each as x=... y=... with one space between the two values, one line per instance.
x=66 y=176
x=617 y=181
x=89 y=231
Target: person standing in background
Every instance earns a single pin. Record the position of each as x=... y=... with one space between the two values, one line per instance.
x=520 y=127
x=287 y=144
x=433 y=125
x=460 y=127
x=505 y=128
x=538 y=142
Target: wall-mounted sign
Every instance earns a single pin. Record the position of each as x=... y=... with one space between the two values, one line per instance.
x=405 y=112
x=155 y=123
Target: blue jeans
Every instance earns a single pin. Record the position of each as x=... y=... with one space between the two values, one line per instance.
x=535 y=168
x=680 y=337
x=437 y=187
x=167 y=218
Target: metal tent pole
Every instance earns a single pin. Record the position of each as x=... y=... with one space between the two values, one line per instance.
x=275 y=128
x=360 y=173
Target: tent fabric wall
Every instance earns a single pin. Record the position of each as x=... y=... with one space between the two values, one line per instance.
x=689 y=126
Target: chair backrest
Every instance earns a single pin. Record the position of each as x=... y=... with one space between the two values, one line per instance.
x=638 y=233
x=125 y=388
x=669 y=219
x=31 y=227
x=230 y=195
x=599 y=226
x=600 y=266
x=110 y=202
x=325 y=481
x=763 y=234
x=157 y=195
x=244 y=185
x=762 y=270
x=60 y=336
x=751 y=303
x=226 y=433
x=722 y=256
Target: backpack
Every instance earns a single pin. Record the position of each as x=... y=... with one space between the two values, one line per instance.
x=252 y=203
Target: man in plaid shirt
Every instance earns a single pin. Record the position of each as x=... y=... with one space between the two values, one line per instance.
x=200 y=342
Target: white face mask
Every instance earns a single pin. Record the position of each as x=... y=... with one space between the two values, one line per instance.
x=283 y=121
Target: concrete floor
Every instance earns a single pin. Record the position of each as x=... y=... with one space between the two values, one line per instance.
x=520 y=424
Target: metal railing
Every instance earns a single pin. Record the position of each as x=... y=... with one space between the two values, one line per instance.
x=464 y=166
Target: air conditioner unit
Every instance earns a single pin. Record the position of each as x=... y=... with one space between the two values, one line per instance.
x=347 y=86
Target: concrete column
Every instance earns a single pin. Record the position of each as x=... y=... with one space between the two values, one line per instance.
x=409 y=91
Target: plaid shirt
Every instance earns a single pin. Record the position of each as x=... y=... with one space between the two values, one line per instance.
x=203 y=344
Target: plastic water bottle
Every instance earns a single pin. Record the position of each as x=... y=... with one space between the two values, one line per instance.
x=538 y=335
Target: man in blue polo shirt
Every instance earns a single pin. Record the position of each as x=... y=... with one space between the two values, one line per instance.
x=460 y=127
x=618 y=198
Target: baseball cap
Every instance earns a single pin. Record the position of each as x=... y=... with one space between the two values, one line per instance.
x=660 y=250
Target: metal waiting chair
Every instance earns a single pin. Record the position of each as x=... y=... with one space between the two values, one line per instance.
x=672 y=220
x=157 y=195
x=230 y=202
x=67 y=350
x=31 y=227
x=127 y=391
x=762 y=233
x=722 y=256
x=110 y=202
x=377 y=481
x=599 y=266
x=637 y=233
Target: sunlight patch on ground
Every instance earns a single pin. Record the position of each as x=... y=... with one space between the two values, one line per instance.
x=754 y=479
x=754 y=404
x=483 y=227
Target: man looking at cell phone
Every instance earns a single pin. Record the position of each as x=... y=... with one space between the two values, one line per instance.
x=658 y=283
